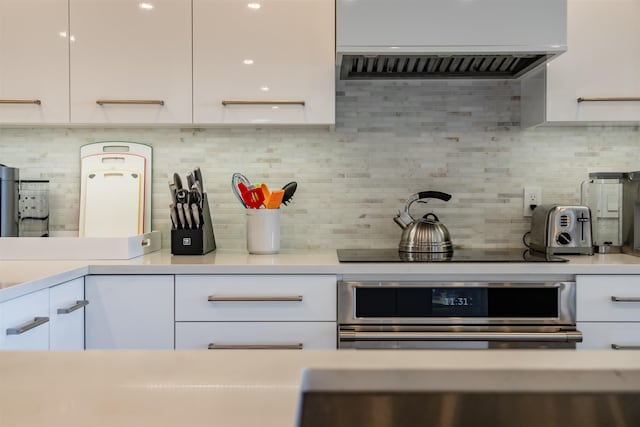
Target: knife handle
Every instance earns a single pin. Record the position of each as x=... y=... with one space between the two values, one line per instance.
x=174 y=216
x=180 y=215
x=187 y=215
x=195 y=211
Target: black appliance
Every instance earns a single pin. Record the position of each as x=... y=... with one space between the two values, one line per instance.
x=458 y=255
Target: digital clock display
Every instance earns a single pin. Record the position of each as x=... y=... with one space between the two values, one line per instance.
x=456 y=301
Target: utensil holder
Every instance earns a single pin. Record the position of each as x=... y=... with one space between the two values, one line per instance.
x=195 y=241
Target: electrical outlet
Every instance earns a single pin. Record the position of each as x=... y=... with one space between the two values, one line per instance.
x=532 y=197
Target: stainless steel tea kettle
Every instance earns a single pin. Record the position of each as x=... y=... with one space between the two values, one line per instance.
x=426 y=234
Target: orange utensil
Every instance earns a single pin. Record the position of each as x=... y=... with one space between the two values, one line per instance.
x=274 y=200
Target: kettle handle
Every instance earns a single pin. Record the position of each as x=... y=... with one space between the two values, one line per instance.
x=434 y=195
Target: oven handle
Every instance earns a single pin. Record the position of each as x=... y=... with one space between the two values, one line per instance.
x=566 y=336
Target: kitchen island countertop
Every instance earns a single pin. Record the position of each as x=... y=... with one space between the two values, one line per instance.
x=20 y=277
x=223 y=389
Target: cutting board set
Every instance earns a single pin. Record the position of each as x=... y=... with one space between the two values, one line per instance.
x=115 y=189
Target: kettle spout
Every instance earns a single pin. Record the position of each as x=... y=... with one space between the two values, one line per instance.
x=403 y=219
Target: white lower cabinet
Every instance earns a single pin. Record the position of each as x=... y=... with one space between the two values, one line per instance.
x=255 y=335
x=256 y=312
x=129 y=312
x=24 y=322
x=66 y=314
x=608 y=311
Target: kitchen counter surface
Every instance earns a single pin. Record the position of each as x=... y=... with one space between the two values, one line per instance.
x=33 y=275
x=228 y=388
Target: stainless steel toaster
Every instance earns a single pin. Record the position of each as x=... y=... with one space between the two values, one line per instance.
x=557 y=229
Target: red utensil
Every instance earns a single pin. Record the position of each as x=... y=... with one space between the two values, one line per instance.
x=253 y=198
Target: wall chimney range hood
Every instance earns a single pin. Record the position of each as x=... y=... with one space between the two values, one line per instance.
x=445 y=39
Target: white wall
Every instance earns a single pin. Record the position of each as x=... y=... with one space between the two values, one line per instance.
x=391 y=140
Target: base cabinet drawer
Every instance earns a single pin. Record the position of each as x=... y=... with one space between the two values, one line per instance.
x=225 y=298
x=608 y=298
x=255 y=335
x=610 y=335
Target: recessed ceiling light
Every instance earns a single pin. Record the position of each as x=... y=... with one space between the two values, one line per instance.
x=72 y=38
x=145 y=6
x=275 y=107
x=254 y=6
x=63 y=34
x=264 y=88
x=248 y=61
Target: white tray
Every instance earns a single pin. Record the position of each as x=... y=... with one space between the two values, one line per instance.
x=59 y=248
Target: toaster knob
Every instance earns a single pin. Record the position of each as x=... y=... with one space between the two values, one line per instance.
x=564 y=238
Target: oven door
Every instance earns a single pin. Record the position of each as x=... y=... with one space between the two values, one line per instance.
x=390 y=314
x=457 y=337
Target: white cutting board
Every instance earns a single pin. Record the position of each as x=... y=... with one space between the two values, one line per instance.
x=117 y=155
x=112 y=204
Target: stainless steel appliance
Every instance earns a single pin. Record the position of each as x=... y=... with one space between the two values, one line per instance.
x=409 y=39
x=33 y=208
x=631 y=213
x=456 y=314
x=426 y=234
x=9 y=178
x=602 y=192
x=561 y=230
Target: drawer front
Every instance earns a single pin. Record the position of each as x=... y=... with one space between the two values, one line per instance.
x=595 y=297
x=255 y=335
x=610 y=335
x=256 y=298
x=24 y=322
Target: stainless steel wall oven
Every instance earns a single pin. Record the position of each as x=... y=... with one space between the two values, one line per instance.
x=452 y=314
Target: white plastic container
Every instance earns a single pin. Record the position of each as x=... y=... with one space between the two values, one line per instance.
x=263 y=231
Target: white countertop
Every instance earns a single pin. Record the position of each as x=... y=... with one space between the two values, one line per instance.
x=20 y=277
x=222 y=389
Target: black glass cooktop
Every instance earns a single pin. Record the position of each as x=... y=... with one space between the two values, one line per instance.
x=458 y=255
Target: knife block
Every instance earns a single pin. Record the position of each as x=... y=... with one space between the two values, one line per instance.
x=195 y=241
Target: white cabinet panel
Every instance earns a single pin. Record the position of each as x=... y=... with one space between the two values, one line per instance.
x=607 y=335
x=129 y=312
x=124 y=52
x=224 y=335
x=595 y=294
x=602 y=61
x=24 y=322
x=275 y=298
x=66 y=311
x=34 y=61
x=290 y=45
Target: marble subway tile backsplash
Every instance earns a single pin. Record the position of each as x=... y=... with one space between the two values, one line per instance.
x=391 y=139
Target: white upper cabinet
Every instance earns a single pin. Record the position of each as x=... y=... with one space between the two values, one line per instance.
x=130 y=61
x=34 y=61
x=270 y=61
x=601 y=66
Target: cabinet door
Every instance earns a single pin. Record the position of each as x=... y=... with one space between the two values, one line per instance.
x=34 y=61
x=66 y=311
x=609 y=335
x=281 y=51
x=129 y=312
x=255 y=298
x=125 y=52
x=24 y=322
x=602 y=61
x=256 y=335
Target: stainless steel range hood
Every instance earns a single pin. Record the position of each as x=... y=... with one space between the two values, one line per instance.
x=444 y=39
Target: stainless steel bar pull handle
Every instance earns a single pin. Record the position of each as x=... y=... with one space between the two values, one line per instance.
x=214 y=346
x=245 y=298
x=37 y=321
x=625 y=347
x=615 y=99
x=130 y=101
x=79 y=304
x=20 y=101
x=567 y=336
x=625 y=299
x=264 y=102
